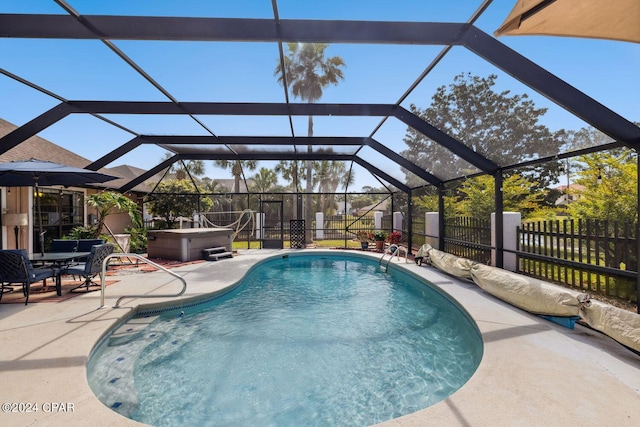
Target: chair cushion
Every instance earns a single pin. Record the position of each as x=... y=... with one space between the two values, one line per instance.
x=78 y=269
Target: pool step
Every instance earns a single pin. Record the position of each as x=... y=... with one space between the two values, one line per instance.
x=213 y=254
x=130 y=330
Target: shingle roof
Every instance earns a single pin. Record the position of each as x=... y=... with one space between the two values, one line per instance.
x=41 y=149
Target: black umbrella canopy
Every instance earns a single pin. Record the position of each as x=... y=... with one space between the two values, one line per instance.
x=34 y=173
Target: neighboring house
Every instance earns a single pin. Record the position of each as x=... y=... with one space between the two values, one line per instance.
x=62 y=208
x=376 y=207
x=570 y=193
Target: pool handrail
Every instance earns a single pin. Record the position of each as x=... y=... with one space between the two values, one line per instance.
x=145 y=260
x=394 y=252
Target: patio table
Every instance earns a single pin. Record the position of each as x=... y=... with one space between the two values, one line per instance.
x=58 y=260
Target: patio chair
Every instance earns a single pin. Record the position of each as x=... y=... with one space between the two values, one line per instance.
x=15 y=267
x=92 y=267
x=63 y=245
x=84 y=245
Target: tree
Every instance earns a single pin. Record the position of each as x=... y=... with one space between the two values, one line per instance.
x=502 y=127
x=212 y=186
x=476 y=196
x=291 y=171
x=176 y=198
x=264 y=181
x=329 y=174
x=611 y=190
x=307 y=72
x=183 y=169
x=236 y=167
x=109 y=202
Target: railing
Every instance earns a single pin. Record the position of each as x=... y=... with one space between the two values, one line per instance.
x=468 y=238
x=145 y=260
x=595 y=256
x=394 y=250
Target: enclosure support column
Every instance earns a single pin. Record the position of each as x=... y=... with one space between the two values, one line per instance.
x=319 y=225
x=409 y=221
x=638 y=233
x=499 y=230
x=441 y=217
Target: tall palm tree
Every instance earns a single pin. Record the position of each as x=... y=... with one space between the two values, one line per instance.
x=264 y=181
x=290 y=171
x=236 y=167
x=307 y=72
x=329 y=175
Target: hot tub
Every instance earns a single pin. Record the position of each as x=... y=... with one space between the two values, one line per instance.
x=186 y=244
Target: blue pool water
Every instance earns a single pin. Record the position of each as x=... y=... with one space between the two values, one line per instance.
x=304 y=340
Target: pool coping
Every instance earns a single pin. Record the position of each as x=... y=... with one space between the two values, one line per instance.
x=533 y=372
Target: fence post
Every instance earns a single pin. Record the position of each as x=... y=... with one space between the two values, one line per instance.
x=377 y=220
x=432 y=229
x=319 y=225
x=397 y=221
x=259 y=225
x=510 y=223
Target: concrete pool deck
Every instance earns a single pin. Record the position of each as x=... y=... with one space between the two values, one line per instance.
x=533 y=372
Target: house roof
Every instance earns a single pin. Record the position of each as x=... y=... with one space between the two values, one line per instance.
x=577 y=187
x=39 y=148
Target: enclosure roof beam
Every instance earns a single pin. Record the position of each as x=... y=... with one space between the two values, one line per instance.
x=36 y=125
x=117 y=153
x=450 y=143
x=234 y=108
x=166 y=142
x=227 y=29
x=149 y=174
x=301 y=156
x=557 y=90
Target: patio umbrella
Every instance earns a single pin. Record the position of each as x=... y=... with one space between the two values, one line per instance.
x=613 y=19
x=34 y=173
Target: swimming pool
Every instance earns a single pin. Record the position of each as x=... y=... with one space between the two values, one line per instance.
x=303 y=340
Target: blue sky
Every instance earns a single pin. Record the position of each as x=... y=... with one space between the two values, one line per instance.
x=243 y=72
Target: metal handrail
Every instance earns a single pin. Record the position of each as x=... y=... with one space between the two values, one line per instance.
x=394 y=253
x=146 y=260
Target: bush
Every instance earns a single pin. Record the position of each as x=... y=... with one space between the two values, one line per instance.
x=137 y=239
x=85 y=232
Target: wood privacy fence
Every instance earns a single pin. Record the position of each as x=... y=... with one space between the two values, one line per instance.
x=599 y=257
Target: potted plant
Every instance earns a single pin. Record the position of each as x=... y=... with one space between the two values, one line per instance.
x=364 y=237
x=379 y=236
x=395 y=237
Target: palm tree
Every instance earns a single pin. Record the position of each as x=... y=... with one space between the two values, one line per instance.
x=307 y=72
x=264 y=181
x=290 y=171
x=329 y=175
x=236 y=167
x=182 y=169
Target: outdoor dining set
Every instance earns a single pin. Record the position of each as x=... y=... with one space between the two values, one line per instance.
x=82 y=258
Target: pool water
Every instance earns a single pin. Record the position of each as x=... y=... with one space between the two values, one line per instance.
x=304 y=340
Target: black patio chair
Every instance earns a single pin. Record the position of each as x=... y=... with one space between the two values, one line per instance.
x=15 y=267
x=92 y=267
x=63 y=245
x=84 y=245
